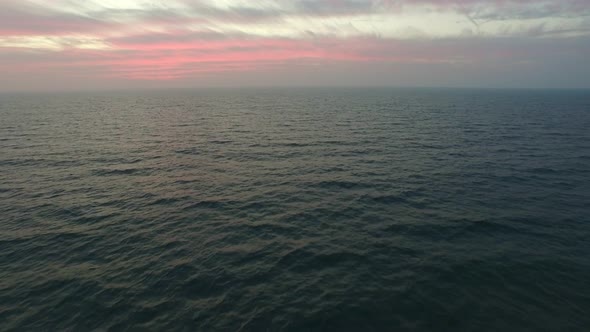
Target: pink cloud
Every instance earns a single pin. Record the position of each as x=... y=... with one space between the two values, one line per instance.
x=164 y=60
x=180 y=53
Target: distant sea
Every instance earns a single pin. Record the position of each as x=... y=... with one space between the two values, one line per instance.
x=295 y=210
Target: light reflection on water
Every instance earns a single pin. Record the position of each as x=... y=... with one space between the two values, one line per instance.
x=296 y=210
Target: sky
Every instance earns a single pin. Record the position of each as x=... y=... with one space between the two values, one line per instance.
x=117 y=44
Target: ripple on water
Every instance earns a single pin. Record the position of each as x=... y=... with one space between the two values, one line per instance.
x=302 y=210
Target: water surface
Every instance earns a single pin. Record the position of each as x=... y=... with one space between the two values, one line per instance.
x=295 y=210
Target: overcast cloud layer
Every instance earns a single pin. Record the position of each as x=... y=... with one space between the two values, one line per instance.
x=71 y=44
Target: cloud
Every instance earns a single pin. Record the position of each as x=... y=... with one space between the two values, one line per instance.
x=179 y=40
x=24 y=19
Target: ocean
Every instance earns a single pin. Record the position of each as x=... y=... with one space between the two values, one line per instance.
x=295 y=210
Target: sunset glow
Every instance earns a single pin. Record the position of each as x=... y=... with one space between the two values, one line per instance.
x=136 y=43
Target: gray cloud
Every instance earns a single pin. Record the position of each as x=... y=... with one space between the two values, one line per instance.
x=538 y=55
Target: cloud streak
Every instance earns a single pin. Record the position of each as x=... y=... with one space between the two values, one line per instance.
x=133 y=41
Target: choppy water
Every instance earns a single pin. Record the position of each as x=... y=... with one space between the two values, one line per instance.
x=296 y=210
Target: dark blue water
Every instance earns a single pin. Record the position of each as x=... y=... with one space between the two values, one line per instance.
x=295 y=210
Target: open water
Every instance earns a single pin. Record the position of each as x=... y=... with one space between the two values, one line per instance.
x=295 y=210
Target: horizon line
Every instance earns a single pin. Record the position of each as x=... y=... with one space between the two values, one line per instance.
x=287 y=87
